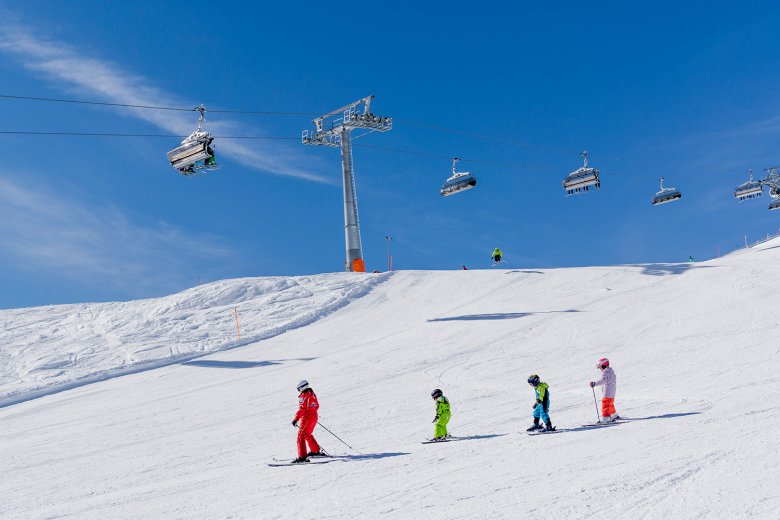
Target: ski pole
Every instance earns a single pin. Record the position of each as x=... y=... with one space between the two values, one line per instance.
x=339 y=438
x=595 y=403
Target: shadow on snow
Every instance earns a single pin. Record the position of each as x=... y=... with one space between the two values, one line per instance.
x=479 y=437
x=213 y=363
x=496 y=316
x=667 y=269
x=665 y=416
x=628 y=420
x=372 y=456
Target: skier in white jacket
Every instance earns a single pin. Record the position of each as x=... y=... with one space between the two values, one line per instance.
x=609 y=382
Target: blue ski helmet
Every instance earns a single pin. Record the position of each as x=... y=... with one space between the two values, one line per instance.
x=533 y=379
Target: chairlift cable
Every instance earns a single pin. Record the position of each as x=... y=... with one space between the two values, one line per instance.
x=154 y=107
x=414 y=122
x=168 y=136
x=435 y=156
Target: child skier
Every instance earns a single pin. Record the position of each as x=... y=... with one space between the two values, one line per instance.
x=442 y=415
x=496 y=255
x=307 y=415
x=609 y=382
x=542 y=404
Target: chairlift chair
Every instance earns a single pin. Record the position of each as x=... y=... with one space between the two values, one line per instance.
x=187 y=157
x=460 y=181
x=775 y=194
x=580 y=180
x=748 y=190
x=666 y=195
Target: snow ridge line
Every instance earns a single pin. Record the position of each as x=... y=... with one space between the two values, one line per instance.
x=306 y=319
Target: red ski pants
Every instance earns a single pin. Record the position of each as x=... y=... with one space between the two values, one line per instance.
x=304 y=436
x=607 y=406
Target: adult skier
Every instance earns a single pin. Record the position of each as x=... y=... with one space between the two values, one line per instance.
x=496 y=255
x=542 y=404
x=609 y=382
x=307 y=416
x=443 y=415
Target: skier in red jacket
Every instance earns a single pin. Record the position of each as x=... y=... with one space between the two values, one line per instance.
x=307 y=415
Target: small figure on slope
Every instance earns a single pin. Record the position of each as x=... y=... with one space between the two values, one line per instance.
x=542 y=404
x=496 y=255
x=609 y=382
x=442 y=415
x=307 y=416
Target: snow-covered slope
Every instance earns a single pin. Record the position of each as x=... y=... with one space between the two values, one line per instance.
x=694 y=347
x=46 y=349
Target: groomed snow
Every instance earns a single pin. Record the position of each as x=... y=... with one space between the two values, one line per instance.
x=694 y=347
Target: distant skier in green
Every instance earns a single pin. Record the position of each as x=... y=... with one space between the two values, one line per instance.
x=496 y=255
x=442 y=415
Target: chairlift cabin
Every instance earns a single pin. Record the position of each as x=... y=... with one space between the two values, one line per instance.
x=580 y=180
x=775 y=194
x=195 y=152
x=666 y=195
x=749 y=190
x=460 y=181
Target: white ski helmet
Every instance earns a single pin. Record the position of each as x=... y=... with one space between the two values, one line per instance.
x=303 y=385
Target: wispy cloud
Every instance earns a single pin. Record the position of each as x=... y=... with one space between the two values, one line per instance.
x=108 y=82
x=101 y=245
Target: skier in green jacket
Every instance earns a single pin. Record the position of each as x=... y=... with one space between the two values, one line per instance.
x=442 y=415
x=542 y=405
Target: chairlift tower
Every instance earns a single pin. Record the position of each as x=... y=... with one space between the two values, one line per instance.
x=772 y=181
x=333 y=129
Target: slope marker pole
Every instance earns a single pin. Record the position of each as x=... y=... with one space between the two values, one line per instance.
x=235 y=311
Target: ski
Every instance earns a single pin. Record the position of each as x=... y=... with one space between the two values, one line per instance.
x=310 y=463
x=446 y=439
x=544 y=432
x=595 y=425
x=280 y=464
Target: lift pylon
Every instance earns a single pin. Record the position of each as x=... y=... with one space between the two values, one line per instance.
x=333 y=129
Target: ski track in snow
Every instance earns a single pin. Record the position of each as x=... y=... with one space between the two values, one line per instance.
x=693 y=346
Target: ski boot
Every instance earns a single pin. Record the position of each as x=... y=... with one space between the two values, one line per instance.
x=548 y=427
x=534 y=427
x=317 y=454
x=300 y=460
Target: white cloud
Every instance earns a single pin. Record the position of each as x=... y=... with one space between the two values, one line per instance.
x=101 y=246
x=110 y=83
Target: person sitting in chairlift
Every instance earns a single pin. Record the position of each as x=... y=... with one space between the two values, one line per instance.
x=211 y=160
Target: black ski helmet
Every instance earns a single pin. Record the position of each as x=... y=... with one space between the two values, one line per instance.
x=533 y=379
x=436 y=393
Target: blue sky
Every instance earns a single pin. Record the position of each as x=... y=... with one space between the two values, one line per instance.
x=684 y=91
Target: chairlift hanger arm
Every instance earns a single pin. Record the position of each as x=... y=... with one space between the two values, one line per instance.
x=366 y=101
